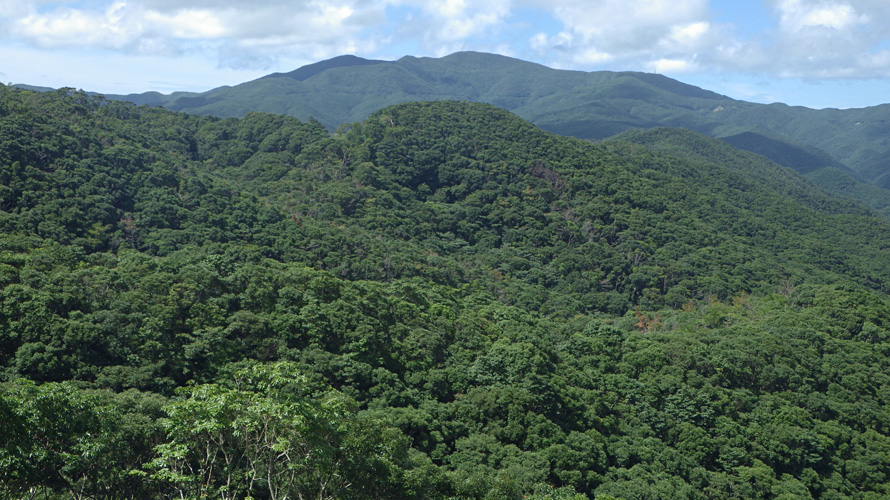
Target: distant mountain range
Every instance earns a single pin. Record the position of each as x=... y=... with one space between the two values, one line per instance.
x=842 y=151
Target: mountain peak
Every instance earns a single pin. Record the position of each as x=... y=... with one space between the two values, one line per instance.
x=313 y=69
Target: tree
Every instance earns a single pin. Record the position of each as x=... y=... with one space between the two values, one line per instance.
x=272 y=432
x=56 y=437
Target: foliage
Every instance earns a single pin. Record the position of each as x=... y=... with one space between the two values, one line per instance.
x=273 y=436
x=439 y=302
x=592 y=105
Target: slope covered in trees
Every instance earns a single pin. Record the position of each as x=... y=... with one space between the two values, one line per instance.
x=592 y=105
x=439 y=302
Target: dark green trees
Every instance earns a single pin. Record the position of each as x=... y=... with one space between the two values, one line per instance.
x=441 y=302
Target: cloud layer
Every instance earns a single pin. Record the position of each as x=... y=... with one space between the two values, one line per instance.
x=797 y=38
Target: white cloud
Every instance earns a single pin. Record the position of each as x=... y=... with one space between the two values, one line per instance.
x=809 y=38
x=49 y=31
x=451 y=22
x=449 y=8
x=189 y=23
x=830 y=38
x=14 y=9
x=690 y=33
x=800 y=38
x=796 y=15
x=243 y=32
x=541 y=42
x=674 y=66
x=633 y=34
x=625 y=26
x=593 y=56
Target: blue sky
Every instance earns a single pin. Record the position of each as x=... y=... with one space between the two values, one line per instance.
x=815 y=53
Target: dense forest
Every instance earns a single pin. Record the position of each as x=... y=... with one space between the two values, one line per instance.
x=841 y=151
x=588 y=105
x=441 y=301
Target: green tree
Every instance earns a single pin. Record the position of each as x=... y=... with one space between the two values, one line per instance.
x=271 y=431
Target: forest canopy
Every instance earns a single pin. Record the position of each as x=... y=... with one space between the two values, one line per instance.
x=441 y=301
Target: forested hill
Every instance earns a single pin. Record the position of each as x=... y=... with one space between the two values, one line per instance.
x=838 y=149
x=442 y=301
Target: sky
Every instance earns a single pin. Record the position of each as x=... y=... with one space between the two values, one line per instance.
x=814 y=53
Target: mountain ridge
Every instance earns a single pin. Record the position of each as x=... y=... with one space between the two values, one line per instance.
x=506 y=81
x=588 y=105
x=310 y=70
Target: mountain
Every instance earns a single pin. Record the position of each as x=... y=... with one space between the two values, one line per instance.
x=311 y=70
x=592 y=106
x=155 y=98
x=347 y=89
x=443 y=301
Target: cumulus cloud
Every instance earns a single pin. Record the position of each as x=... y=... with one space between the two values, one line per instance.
x=802 y=38
x=674 y=66
x=796 y=15
x=444 y=26
x=830 y=38
x=188 y=23
x=620 y=26
x=643 y=34
x=67 y=26
x=250 y=32
x=240 y=32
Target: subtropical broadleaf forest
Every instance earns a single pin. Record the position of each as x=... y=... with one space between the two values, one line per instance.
x=440 y=301
x=841 y=151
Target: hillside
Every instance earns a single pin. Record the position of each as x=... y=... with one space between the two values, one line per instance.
x=348 y=89
x=593 y=105
x=442 y=301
